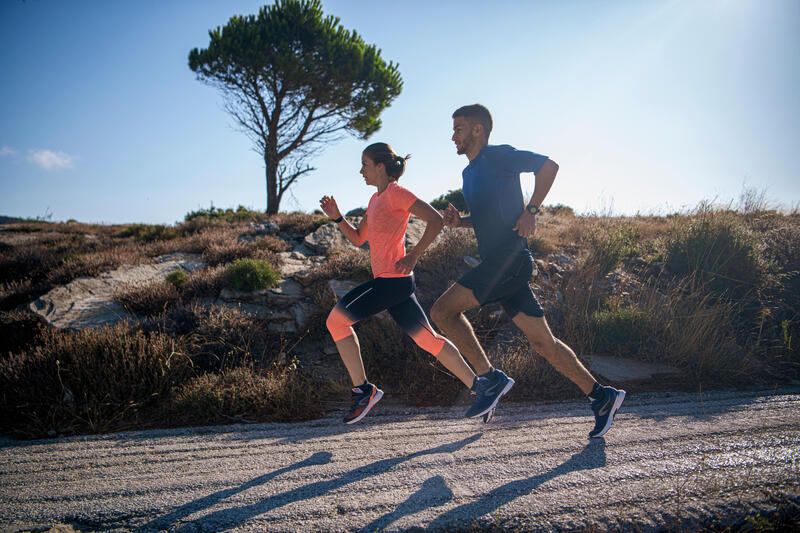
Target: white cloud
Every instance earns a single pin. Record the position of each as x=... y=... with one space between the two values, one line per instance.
x=7 y=151
x=48 y=159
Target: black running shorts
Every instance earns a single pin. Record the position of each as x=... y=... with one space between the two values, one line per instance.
x=504 y=280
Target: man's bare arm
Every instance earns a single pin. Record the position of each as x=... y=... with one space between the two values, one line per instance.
x=526 y=223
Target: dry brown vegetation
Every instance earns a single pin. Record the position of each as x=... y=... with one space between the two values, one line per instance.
x=714 y=293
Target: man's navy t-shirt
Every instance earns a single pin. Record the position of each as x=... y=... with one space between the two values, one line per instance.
x=493 y=193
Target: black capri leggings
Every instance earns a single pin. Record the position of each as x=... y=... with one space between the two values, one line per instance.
x=395 y=295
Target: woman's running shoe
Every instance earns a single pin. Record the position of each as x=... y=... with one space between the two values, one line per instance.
x=362 y=399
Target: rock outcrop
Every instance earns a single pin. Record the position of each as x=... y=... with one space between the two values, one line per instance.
x=89 y=302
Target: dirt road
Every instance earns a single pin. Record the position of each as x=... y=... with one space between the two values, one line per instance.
x=668 y=458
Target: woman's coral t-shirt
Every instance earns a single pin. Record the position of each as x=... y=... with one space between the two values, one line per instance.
x=387 y=220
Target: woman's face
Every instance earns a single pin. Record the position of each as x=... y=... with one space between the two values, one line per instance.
x=370 y=170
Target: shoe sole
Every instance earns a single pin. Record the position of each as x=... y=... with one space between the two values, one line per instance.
x=494 y=403
x=614 y=408
x=375 y=398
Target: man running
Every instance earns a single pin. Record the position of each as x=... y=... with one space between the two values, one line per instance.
x=502 y=223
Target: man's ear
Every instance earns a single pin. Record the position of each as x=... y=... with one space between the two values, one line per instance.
x=477 y=129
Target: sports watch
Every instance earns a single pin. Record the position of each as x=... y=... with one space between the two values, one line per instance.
x=533 y=209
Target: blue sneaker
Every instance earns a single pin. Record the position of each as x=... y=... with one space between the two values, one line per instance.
x=361 y=402
x=604 y=410
x=487 y=392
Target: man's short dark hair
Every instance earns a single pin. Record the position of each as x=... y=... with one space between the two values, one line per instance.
x=477 y=113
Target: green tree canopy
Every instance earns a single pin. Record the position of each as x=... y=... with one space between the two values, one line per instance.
x=294 y=80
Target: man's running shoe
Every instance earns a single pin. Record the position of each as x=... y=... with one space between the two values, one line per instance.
x=362 y=401
x=487 y=392
x=604 y=410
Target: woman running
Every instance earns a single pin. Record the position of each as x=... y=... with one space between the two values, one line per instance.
x=384 y=225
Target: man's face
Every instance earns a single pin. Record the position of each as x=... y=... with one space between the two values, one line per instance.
x=465 y=134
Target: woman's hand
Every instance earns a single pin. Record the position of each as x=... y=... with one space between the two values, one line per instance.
x=406 y=264
x=329 y=207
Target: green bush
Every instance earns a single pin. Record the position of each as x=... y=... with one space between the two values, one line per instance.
x=149 y=232
x=249 y=275
x=178 y=278
x=610 y=245
x=559 y=210
x=455 y=197
x=717 y=253
x=228 y=215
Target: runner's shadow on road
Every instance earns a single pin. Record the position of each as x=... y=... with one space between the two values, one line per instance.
x=433 y=493
x=225 y=519
x=163 y=522
x=592 y=456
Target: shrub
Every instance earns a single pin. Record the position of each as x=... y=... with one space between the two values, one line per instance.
x=205 y=283
x=178 y=278
x=223 y=338
x=247 y=394
x=216 y=337
x=227 y=215
x=716 y=252
x=610 y=245
x=18 y=330
x=149 y=232
x=249 y=275
x=559 y=210
x=455 y=197
x=540 y=246
x=149 y=299
x=299 y=223
x=92 y=380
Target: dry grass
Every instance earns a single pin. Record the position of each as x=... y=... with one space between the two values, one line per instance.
x=626 y=293
x=89 y=381
x=298 y=223
x=245 y=394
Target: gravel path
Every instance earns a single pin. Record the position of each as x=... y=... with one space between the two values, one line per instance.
x=669 y=458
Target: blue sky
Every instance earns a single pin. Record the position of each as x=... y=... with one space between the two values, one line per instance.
x=648 y=106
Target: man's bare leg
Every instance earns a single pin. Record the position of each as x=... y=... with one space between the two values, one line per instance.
x=452 y=361
x=448 y=314
x=556 y=352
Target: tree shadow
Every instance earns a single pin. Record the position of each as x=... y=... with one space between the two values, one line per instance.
x=227 y=518
x=163 y=522
x=592 y=456
x=433 y=493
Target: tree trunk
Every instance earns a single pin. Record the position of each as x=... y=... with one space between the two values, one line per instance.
x=273 y=200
